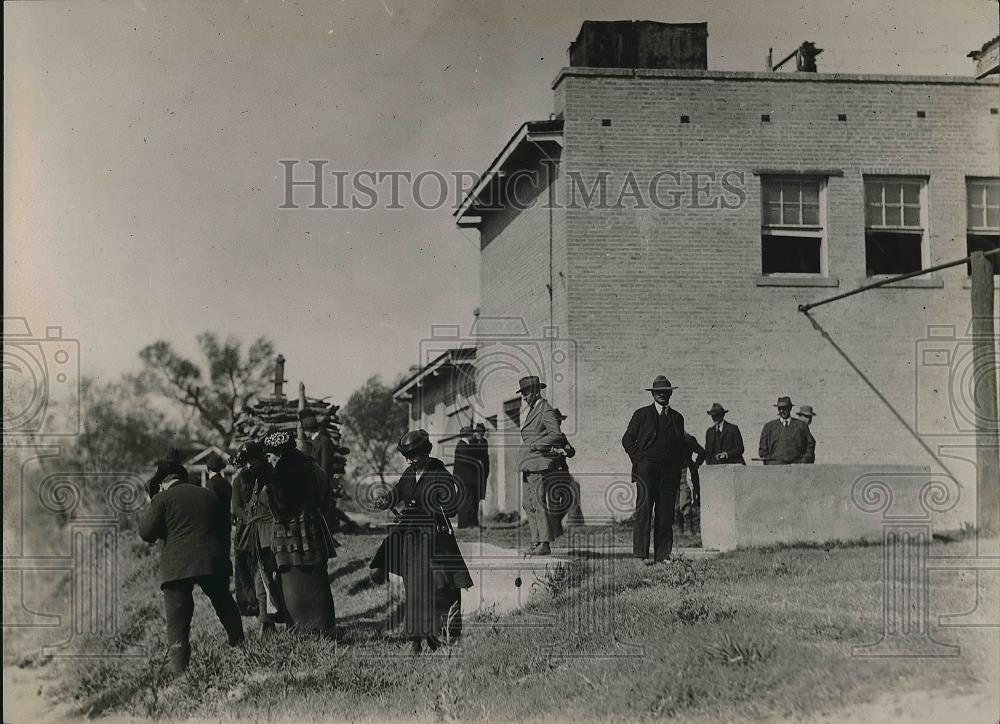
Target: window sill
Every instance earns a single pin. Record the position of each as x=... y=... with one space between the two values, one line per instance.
x=931 y=282
x=780 y=281
x=967 y=282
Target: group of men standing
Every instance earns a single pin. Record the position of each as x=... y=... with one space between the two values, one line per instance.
x=472 y=470
x=661 y=452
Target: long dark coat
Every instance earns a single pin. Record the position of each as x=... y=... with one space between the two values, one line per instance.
x=244 y=558
x=468 y=474
x=421 y=547
x=299 y=495
x=482 y=451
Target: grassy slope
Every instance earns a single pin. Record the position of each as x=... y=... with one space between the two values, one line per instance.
x=610 y=640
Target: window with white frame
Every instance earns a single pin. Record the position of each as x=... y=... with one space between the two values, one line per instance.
x=793 y=226
x=983 y=217
x=895 y=225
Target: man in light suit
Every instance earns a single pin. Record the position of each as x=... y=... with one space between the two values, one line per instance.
x=723 y=441
x=657 y=446
x=539 y=433
x=806 y=414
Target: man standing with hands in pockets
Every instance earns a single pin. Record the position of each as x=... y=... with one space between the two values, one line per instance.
x=657 y=446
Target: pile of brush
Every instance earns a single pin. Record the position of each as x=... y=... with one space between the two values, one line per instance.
x=270 y=414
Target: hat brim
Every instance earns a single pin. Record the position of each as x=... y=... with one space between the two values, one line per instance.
x=531 y=388
x=661 y=389
x=712 y=412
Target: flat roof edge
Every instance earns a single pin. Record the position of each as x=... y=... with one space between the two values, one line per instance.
x=749 y=75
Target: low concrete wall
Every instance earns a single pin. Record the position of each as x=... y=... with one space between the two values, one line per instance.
x=750 y=505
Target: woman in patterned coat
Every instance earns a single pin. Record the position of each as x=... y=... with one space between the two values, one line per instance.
x=301 y=541
x=421 y=546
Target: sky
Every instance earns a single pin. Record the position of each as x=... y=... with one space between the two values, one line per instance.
x=142 y=140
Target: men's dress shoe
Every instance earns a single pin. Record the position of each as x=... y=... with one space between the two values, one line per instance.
x=542 y=549
x=649 y=561
x=415 y=647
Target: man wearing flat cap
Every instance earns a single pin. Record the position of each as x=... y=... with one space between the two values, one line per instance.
x=657 y=446
x=539 y=433
x=193 y=524
x=806 y=414
x=785 y=441
x=723 y=441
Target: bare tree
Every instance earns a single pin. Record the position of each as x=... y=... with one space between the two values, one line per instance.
x=216 y=397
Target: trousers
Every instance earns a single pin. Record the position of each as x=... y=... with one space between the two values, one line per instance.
x=656 y=492
x=178 y=602
x=533 y=502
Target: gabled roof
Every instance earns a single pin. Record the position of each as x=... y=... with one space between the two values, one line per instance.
x=456 y=357
x=531 y=132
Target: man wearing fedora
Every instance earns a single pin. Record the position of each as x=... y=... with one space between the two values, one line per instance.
x=785 y=441
x=657 y=446
x=539 y=433
x=723 y=441
x=807 y=414
x=193 y=524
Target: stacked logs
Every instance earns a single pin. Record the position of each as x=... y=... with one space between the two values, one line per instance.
x=271 y=414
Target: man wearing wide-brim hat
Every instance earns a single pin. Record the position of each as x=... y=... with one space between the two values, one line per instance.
x=806 y=414
x=539 y=433
x=656 y=444
x=785 y=441
x=723 y=441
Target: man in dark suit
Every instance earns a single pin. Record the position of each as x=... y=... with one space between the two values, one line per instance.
x=327 y=455
x=539 y=433
x=217 y=482
x=657 y=446
x=193 y=524
x=466 y=472
x=482 y=447
x=785 y=441
x=723 y=441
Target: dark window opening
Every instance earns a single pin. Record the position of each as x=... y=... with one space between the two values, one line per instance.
x=605 y=122
x=765 y=118
x=841 y=116
x=983 y=242
x=892 y=252
x=790 y=254
x=685 y=119
x=921 y=114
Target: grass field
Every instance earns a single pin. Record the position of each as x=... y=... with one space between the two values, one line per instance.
x=759 y=634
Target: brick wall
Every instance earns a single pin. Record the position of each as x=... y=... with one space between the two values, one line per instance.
x=676 y=291
x=522 y=250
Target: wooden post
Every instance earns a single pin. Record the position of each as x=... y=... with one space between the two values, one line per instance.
x=985 y=380
x=279 y=376
x=302 y=406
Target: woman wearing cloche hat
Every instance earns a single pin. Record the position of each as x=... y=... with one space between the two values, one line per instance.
x=421 y=546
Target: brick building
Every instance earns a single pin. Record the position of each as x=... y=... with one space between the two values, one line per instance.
x=672 y=220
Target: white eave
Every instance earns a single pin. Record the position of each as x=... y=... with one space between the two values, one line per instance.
x=533 y=132
x=452 y=357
